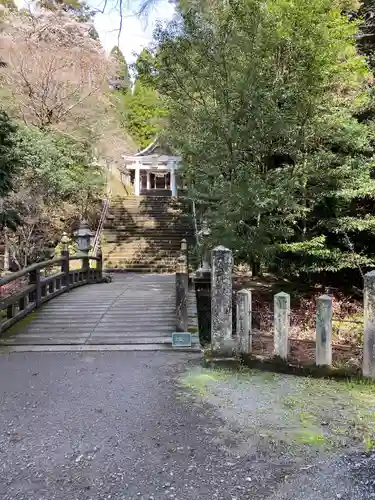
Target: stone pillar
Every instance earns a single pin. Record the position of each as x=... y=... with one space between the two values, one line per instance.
x=324 y=331
x=221 y=301
x=148 y=173
x=173 y=181
x=368 y=366
x=182 y=290
x=244 y=325
x=281 y=324
x=137 y=182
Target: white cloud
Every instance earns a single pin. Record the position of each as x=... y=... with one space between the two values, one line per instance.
x=136 y=34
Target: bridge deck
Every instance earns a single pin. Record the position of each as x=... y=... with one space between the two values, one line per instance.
x=133 y=309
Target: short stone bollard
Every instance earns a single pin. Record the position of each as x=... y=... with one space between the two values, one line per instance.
x=368 y=364
x=281 y=324
x=244 y=324
x=221 y=301
x=324 y=331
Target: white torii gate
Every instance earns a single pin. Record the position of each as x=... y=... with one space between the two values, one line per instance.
x=149 y=162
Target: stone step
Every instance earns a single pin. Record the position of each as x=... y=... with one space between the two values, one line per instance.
x=138 y=258
x=138 y=265
x=53 y=347
x=170 y=235
x=152 y=250
x=140 y=270
x=139 y=252
x=149 y=211
x=157 y=255
x=148 y=232
x=142 y=256
x=149 y=228
x=140 y=219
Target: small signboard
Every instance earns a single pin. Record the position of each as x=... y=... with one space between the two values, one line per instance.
x=181 y=339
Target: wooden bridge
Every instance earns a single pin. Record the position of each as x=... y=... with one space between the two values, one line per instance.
x=54 y=311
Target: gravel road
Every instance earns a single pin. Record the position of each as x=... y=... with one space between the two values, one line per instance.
x=117 y=425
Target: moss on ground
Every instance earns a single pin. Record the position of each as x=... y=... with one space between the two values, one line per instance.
x=294 y=411
x=20 y=326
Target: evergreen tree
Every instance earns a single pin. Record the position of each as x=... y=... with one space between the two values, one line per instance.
x=142 y=110
x=10 y=165
x=9 y=160
x=144 y=68
x=142 y=113
x=262 y=106
x=121 y=81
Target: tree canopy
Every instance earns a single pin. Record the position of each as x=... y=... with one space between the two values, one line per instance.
x=121 y=81
x=9 y=159
x=263 y=101
x=141 y=110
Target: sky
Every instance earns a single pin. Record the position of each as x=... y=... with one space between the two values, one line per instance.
x=136 y=33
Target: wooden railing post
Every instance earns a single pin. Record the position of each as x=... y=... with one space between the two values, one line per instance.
x=65 y=268
x=34 y=279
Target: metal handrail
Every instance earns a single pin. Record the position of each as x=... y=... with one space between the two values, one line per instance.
x=195 y=223
x=99 y=229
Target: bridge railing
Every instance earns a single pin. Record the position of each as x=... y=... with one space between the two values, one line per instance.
x=38 y=289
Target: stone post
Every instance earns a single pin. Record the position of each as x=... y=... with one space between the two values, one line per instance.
x=86 y=264
x=324 y=331
x=202 y=286
x=148 y=180
x=221 y=301
x=244 y=324
x=281 y=324
x=182 y=288
x=368 y=365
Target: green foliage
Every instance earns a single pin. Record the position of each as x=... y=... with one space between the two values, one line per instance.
x=10 y=165
x=366 y=38
x=9 y=159
x=142 y=110
x=59 y=168
x=262 y=101
x=144 y=68
x=122 y=81
x=80 y=10
x=93 y=33
x=8 y=4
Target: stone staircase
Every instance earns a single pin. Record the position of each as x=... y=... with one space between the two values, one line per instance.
x=144 y=233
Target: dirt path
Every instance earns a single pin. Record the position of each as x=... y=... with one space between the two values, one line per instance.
x=128 y=425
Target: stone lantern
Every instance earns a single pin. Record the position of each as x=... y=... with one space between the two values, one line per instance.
x=65 y=240
x=202 y=235
x=83 y=237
